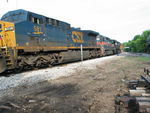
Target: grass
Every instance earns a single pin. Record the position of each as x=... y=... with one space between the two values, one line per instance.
x=140 y=58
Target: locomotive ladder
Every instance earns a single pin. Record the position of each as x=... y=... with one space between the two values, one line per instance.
x=9 y=57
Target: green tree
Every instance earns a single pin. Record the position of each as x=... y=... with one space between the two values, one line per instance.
x=139 y=43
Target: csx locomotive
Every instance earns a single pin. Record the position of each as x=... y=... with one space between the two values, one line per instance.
x=29 y=40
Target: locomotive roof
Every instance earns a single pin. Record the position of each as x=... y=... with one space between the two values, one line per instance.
x=91 y=32
x=12 y=16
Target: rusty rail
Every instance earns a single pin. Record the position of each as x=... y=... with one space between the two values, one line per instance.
x=138 y=99
x=146 y=80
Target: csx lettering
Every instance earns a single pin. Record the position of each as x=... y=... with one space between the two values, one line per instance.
x=77 y=37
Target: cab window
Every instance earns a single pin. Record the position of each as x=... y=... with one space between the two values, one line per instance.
x=55 y=22
x=35 y=19
x=48 y=21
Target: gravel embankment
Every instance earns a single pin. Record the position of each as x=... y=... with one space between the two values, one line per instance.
x=29 y=78
x=135 y=54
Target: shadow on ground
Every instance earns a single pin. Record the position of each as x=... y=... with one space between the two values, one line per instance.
x=62 y=98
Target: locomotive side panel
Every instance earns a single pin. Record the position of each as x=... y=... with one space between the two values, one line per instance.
x=42 y=34
x=90 y=38
x=106 y=44
x=35 y=32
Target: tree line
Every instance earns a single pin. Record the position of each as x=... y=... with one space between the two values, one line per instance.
x=138 y=44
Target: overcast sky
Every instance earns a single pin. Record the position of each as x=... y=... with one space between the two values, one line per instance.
x=117 y=19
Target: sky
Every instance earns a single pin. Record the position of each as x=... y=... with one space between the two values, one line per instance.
x=116 y=19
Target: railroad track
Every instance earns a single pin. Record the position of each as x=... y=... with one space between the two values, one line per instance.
x=138 y=99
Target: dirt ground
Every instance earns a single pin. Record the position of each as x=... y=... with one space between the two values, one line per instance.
x=87 y=91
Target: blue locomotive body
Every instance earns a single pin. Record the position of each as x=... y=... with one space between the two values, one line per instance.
x=37 y=31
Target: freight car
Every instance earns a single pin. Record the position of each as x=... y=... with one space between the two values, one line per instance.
x=29 y=40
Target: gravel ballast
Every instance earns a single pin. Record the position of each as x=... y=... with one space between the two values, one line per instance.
x=29 y=78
